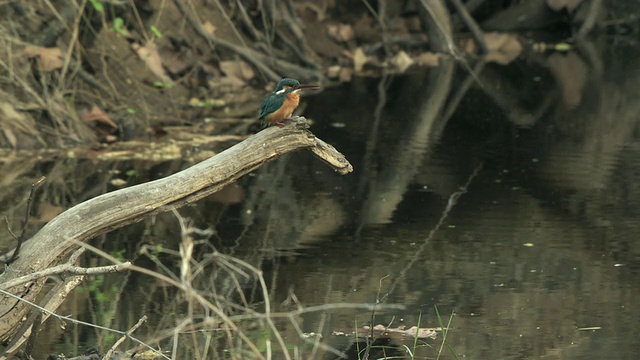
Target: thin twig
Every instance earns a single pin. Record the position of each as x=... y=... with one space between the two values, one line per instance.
x=123 y=337
x=267 y=302
x=75 y=256
x=188 y=291
x=233 y=26
x=381 y=15
x=260 y=61
x=246 y=53
x=472 y=6
x=462 y=89
x=594 y=11
x=34 y=187
x=371 y=338
x=324 y=307
x=291 y=20
x=476 y=32
x=6 y=219
x=244 y=16
x=316 y=342
x=369 y=169
x=453 y=200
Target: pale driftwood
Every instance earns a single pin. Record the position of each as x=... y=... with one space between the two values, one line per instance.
x=58 y=238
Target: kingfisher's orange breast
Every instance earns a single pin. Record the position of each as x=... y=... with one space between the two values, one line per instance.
x=288 y=107
x=291 y=103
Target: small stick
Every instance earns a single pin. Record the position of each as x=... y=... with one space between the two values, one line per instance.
x=34 y=187
x=123 y=337
x=478 y=35
x=6 y=219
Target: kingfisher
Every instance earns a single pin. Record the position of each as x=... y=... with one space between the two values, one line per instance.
x=280 y=104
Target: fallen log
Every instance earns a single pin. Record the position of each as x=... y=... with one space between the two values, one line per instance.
x=55 y=242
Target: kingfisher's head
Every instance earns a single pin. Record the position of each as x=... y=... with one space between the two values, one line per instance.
x=285 y=84
x=288 y=85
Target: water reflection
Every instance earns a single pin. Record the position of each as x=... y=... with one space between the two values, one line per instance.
x=537 y=253
x=538 y=258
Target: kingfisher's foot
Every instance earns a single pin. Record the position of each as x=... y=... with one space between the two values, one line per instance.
x=279 y=123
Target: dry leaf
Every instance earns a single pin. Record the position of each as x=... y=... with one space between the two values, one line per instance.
x=503 y=48
x=402 y=61
x=238 y=72
x=333 y=71
x=428 y=59
x=557 y=5
x=10 y=117
x=48 y=59
x=175 y=61
x=359 y=59
x=341 y=32
x=8 y=113
x=151 y=58
x=237 y=68
x=98 y=116
x=209 y=28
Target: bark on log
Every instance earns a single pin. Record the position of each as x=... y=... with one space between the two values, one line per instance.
x=51 y=245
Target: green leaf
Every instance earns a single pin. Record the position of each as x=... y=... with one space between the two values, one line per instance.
x=563 y=47
x=118 y=26
x=109 y=338
x=162 y=84
x=156 y=31
x=96 y=283
x=97 y=5
x=119 y=254
x=101 y=298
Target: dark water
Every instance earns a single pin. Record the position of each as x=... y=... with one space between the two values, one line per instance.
x=509 y=198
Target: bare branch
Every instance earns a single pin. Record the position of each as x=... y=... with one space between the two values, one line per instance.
x=6 y=219
x=142 y=320
x=65 y=269
x=34 y=187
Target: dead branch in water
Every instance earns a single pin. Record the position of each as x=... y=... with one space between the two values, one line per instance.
x=20 y=239
x=56 y=240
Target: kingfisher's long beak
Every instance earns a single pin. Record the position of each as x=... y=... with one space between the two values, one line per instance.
x=307 y=87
